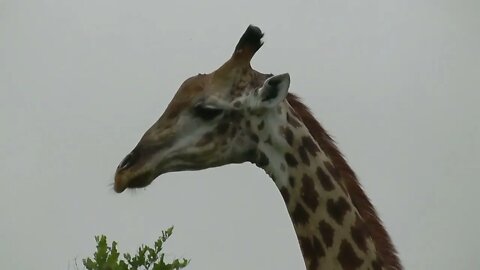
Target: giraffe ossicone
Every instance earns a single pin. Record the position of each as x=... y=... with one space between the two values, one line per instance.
x=236 y=114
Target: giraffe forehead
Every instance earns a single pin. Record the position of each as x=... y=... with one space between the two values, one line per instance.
x=188 y=92
x=209 y=87
x=196 y=89
x=192 y=87
x=225 y=85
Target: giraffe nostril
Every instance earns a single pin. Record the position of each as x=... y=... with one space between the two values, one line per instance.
x=127 y=161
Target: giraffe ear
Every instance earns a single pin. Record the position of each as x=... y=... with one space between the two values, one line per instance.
x=274 y=90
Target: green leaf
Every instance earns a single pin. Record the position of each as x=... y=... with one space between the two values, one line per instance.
x=107 y=257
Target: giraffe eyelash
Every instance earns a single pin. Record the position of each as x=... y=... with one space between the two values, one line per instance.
x=206 y=112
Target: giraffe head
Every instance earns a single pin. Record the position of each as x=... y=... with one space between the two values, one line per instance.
x=207 y=123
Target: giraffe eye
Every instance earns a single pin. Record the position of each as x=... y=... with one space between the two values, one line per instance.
x=206 y=112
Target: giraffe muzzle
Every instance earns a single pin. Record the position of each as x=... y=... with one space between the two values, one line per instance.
x=129 y=173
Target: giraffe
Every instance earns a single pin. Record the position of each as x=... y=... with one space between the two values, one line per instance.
x=236 y=114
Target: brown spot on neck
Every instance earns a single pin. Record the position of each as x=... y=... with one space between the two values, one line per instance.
x=325 y=181
x=338 y=209
x=327 y=233
x=285 y=194
x=291 y=181
x=347 y=256
x=293 y=121
x=312 y=250
x=300 y=215
x=304 y=156
x=288 y=135
x=310 y=145
x=308 y=192
x=359 y=234
x=291 y=160
x=262 y=160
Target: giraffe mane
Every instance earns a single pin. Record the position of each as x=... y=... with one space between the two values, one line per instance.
x=366 y=210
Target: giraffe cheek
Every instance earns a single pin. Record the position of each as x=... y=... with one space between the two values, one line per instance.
x=205 y=140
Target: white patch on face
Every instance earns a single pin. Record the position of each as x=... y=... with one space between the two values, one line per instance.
x=216 y=102
x=274 y=167
x=188 y=139
x=190 y=131
x=252 y=100
x=273 y=119
x=242 y=102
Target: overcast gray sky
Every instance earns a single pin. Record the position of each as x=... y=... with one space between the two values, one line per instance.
x=396 y=83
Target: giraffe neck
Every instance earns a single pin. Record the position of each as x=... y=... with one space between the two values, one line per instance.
x=331 y=233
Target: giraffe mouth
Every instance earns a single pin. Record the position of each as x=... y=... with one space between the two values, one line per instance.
x=139 y=181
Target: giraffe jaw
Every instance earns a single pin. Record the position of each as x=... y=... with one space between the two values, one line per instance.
x=136 y=177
